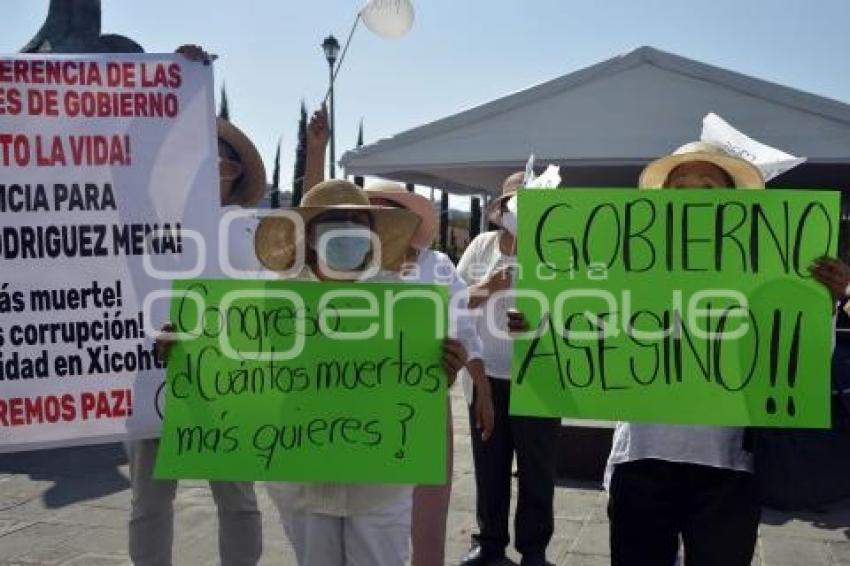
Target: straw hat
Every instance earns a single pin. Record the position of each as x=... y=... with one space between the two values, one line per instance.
x=275 y=240
x=509 y=187
x=744 y=174
x=416 y=203
x=251 y=186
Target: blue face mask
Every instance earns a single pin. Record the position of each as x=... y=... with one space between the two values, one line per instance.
x=343 y=246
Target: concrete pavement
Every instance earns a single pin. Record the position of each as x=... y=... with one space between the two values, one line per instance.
x=70 y=506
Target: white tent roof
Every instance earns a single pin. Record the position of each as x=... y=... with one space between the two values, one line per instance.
x=604 y=122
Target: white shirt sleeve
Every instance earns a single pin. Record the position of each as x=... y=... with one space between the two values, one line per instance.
x=462 y=320
x=437 y=267
x=469 y=259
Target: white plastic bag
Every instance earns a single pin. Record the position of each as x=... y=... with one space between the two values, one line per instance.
x=770 y=161
x=550 y=179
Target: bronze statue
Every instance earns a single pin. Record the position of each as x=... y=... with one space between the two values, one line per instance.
x=73 y=26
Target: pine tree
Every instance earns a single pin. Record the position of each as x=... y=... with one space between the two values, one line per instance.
x=475 y=218
x=444 y=221
x=358 y=180
x=276 y=178
x=300 y=158
x=223 y=109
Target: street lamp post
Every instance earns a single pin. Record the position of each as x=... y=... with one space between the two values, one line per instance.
x=331 y=48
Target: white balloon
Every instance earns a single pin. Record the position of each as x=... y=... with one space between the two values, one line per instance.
x=390 y=19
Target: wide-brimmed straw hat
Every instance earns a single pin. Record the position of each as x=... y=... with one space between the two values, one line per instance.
x=250 y=188
x=744 y=174
x=275 y=240
x=509 y=188
x=414 y=202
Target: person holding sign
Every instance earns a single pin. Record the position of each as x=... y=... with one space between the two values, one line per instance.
x=151 y=529
x=424 y=265
x=487 y=265
x=692 y=483
x=345 y=524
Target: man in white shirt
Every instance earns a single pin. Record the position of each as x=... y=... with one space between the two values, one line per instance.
x=242 y=185
x=486 y=265
x=151 y=529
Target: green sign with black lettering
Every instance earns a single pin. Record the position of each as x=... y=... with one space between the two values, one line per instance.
x=306 y=382
x=675 y=306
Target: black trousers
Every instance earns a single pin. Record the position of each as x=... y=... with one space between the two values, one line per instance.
x=653 y=503
x=534 y=441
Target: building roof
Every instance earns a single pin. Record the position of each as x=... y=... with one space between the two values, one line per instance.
x=604 y=122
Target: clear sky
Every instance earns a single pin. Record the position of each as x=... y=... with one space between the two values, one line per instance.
x=460 y=52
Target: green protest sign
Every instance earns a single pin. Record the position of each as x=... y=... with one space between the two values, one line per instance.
x=676 y=306
x=307 y=382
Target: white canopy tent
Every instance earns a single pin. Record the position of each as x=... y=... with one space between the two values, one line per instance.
x=602 y=124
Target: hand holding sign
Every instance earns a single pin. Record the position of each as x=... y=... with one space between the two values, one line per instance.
x=196 y=53
x=164 y=344
x=834 y=274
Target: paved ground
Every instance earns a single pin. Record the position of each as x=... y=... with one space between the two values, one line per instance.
x=69 y=507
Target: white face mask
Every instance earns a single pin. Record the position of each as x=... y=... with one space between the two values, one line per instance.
x=343 y=246
x=508 y=218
